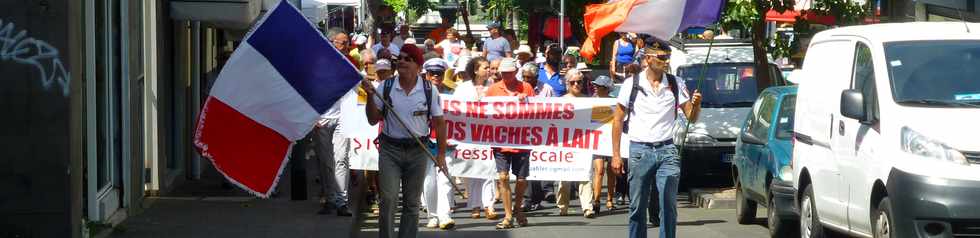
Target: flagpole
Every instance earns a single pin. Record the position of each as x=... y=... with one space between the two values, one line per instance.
x=704 y=68
x=445 y=171
x=561 y=26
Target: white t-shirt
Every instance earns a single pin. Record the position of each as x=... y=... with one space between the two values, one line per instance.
x=466 y=89
x=451 y=50
x=653 y=118
x=411 y=108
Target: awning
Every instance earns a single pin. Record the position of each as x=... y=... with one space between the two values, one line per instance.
x=231 y=14
x=790 y=16
x=316 y=10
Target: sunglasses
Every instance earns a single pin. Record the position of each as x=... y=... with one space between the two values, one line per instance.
x=435 y=73
x=402 y=57
x=575 y=82
x=661 y=57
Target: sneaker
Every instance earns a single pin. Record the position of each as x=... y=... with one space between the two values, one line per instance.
x=448 y=224
x=589 y=214
x=433 y=223
x=343 y=211
x=325 y=209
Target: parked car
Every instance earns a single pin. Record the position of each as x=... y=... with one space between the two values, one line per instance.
x=886 y=138
x=763 y=153
x=729 y=89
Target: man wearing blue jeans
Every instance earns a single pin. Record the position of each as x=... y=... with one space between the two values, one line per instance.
x=402 y=161
x=651 y=104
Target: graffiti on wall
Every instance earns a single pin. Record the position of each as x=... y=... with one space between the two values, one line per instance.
x=16 y=46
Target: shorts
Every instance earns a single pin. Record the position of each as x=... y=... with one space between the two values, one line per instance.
x=517 y=162
x=600 y=157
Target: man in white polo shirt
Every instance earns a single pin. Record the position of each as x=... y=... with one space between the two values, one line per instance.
x=402 y=161
x=651 y=100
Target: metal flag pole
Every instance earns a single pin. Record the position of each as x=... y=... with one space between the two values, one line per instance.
x=445 y=171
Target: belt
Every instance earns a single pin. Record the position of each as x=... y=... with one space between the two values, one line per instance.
x=657 y=145
x=401 y=142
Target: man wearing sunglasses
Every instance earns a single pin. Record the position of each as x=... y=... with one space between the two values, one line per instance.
x=402 y=162
x=652 y=105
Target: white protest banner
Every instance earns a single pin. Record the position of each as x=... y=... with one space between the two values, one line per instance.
x=560 y=166
x=471 y=161
x=540 y=123
x=363 y=153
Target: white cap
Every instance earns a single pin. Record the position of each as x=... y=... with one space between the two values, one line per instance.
x=507 y=65
x=360 y=39
x=523 y=49
x=434 y=65
x=582 y=67
x=382 y=64
x=540 y=58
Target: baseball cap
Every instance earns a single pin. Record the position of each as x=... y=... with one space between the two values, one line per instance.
x=382 y=64
x=413 y=52
x=360 y=39
x=604 y=81
x=435 y=65
x=493 y=25
x=507 y=65
x=652 y=43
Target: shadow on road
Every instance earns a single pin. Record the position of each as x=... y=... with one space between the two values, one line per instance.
x=699 y=222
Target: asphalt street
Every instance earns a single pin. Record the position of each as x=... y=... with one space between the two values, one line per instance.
x=546 y=223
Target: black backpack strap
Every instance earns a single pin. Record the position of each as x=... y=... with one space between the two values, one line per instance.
x=427 y=87
x=629 y=108
x=672 y=82
x=386 y=92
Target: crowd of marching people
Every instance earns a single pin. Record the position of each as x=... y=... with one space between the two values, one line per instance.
x=403 y=81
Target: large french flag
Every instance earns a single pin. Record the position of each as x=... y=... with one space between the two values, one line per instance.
x=272 y=90
x=659 y=18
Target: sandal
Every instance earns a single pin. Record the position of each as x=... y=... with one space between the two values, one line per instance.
x=521 y=220
x=505 y=224
x=610 y=206
x=475 y=214
x=491 y=215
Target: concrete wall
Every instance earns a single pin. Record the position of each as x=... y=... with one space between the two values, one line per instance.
x=34 y=126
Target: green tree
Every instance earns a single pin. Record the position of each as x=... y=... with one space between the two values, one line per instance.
x=749 y=15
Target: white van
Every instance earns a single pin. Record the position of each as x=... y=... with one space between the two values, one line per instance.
x=729 y=90
x=886 y=135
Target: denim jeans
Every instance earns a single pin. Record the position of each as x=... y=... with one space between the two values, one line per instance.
x=400 y=167
x=646 y=164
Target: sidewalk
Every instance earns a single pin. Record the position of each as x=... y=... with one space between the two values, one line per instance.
x=204 y=208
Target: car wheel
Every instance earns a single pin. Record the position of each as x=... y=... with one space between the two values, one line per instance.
x=810 y=226
x=744 y=208
x=882 y=219
x=778 y=226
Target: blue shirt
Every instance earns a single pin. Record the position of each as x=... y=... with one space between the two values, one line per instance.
x=556 y=82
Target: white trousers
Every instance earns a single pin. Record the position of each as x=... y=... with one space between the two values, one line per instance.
x=437 y=193
x=481 y=192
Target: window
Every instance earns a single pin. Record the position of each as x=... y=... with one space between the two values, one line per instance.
x=762 y=113
x=784 y=123
x=934 y=73
x=863 y=79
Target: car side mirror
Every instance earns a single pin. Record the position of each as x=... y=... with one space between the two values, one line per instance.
x=751 y=139
x=852 y=105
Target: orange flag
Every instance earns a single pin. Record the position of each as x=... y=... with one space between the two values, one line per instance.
x=602 y=19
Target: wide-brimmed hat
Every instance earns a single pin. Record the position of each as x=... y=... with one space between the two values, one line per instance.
x=525 y=49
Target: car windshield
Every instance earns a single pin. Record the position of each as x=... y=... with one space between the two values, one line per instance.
x=935 y=73
x=724 y=85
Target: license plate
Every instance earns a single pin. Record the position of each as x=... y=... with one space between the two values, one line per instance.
x=727 y=158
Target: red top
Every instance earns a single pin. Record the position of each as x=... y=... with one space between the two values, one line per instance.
x=500 y=89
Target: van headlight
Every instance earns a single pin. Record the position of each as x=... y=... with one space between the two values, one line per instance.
x=698 y=138
x=917 y=144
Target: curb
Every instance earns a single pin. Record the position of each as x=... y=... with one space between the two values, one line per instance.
x=712 y=198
